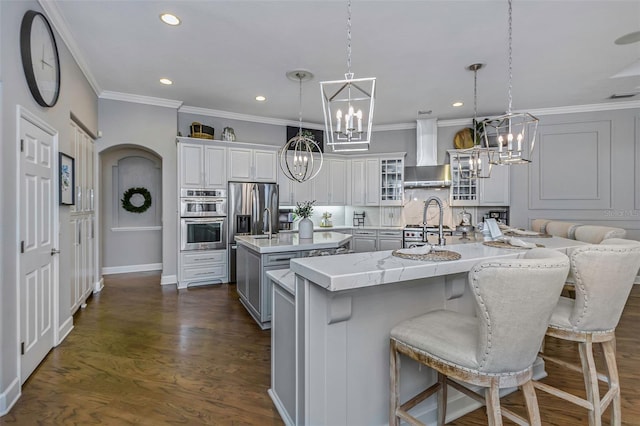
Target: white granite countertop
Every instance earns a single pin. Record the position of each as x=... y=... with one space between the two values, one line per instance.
x=284 y=242
x=349 y=271
x=338 y=228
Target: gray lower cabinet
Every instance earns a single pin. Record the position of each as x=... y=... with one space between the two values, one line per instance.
x=364 y=240
x=253 y=285
x=389 y=240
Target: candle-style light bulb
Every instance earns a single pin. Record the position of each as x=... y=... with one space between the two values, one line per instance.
x=359 y=115
x=520 y=137
x=339 y=121
x=350 y=119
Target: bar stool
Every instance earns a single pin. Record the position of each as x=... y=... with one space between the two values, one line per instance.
x=604 y=275
x=495 y=349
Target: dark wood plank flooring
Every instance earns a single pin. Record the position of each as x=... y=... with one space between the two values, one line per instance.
x=149 y=355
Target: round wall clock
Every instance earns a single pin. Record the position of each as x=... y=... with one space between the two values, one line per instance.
x=40 y=58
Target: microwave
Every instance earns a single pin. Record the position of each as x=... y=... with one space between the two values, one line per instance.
x=203 y=207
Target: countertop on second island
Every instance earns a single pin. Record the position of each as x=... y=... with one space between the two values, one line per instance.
x=284 y=242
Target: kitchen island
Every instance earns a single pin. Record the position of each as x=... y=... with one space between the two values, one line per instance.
x=258 y=254
x=331 y=322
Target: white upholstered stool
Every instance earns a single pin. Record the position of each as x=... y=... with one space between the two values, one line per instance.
x=604 y=275
x=495 y=349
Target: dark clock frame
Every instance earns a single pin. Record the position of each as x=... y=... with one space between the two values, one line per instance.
x=25 y=51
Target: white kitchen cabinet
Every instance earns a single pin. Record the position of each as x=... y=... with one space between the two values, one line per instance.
x=252 y=165
x=365 y=190
x=391 y=216
x=330 y=185
x=82 y=219
x=200 y=267
x=494 y=191
x=391 y=181
x=201 y=166
x=465 y=191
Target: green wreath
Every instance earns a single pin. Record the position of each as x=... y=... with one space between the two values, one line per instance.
x=126 y=200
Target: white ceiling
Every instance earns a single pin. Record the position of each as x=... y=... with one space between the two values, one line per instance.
x=226 y=52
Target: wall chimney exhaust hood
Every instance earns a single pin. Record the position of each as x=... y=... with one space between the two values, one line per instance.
x=427 y=173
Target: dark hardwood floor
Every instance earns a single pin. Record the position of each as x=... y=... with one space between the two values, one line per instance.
x=145 y=354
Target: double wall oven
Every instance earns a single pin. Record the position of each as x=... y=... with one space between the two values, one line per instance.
x=203 y=219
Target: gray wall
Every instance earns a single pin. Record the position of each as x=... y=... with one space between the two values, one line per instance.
x=126 y=238
x=129 y=124
x=77 y=97
x=585 y=169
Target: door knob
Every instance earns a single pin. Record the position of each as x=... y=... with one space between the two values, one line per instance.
x=54 y=251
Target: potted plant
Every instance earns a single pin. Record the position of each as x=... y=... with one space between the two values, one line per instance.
x=305 y=227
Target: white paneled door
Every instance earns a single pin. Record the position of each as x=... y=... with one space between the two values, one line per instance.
x=37 y=232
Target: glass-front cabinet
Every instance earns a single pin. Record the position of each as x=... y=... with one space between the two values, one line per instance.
x=391 y=178
x=467 y=191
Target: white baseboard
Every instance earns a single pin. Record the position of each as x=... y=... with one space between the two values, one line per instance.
x=168 y=279
x=280 y=407
x=637 y=281
x=65 y=329
x=107 y=270
x=98 y=286
x=10 y=396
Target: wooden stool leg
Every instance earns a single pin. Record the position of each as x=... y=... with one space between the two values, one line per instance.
x=492 y=397
x=590 y=381
x=609 y=349
x=442 y=399
x=394 y=390
x=532 y=403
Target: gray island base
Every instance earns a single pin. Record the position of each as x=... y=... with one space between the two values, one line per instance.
x=257 y=255
x=331 y=322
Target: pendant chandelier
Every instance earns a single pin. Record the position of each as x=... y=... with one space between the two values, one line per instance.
x=480 y=157
x=515 y=132
x=301 y=157
x=348 y=107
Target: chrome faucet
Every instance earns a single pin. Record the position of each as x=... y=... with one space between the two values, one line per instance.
x=268 y=211
x=441 y=240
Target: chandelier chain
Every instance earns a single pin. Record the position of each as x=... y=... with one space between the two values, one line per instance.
x=475 y=103
x=349 y=38
x=300 y=76
x=510 y=58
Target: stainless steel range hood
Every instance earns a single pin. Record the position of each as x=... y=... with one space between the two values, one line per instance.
x=427 y=173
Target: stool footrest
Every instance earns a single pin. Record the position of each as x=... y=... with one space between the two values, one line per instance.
x=564 y=395
x=570 y=366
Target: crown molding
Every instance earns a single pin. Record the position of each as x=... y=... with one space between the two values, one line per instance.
x=247 y=117
x=609 y=106
x=60 y=24
x=140 y=99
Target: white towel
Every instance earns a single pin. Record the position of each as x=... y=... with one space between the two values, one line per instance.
x=516 y=242
x=522 y=232
x=425 y=249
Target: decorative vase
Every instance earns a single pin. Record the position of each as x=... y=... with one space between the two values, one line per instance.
x=305 y=229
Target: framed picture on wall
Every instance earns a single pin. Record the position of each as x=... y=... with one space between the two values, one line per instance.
x=67 y=183
x=315 y=135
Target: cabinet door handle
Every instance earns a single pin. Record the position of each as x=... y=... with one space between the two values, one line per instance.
x=79 y=235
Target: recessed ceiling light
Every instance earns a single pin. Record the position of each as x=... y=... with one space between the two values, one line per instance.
x=166 y=81
x=170 y=19
x=260 y=98
x=457 y=104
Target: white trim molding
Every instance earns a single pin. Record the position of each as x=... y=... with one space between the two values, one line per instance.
x=60 y=24
x=98 y=286
x=64 y=330
x=140 y=99
x=10 y=396
x=136 y=228
x=107 y=270
x=168 y=279
x=246 y=117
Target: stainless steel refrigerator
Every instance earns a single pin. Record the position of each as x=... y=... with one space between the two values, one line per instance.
x=247 y=213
